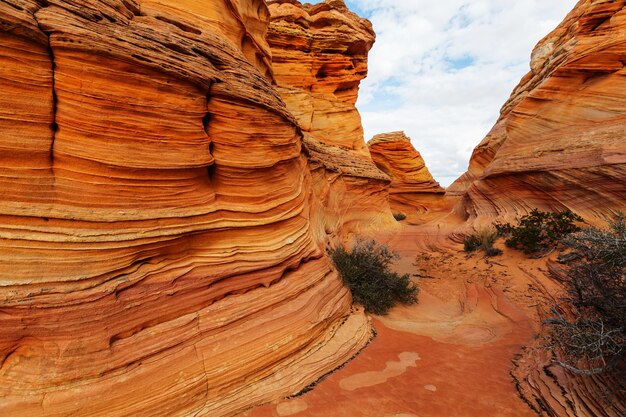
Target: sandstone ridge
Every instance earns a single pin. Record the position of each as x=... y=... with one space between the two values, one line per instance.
x=319 y=59
x=558 y=143
x=413 y=190
x=158 y=256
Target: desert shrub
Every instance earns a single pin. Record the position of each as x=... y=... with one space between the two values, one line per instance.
x=482 y=240
x=539 y=231
x=366 y=270
x=493 y=252
x=398 y=215
x=471 y=243
x=594 y=339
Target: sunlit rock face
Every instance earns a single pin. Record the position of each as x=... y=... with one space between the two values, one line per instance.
x=559 y=143
x=413 y=189
x=156 y=252
x=319 y=57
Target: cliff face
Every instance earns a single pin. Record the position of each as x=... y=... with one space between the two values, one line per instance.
x=559 y=141
x=156 y=254
x=559 y=144
x=319 y=58
x=413 y=190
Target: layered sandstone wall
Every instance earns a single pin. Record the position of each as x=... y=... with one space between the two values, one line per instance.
x=413 y=190
x=319 y=58
x=559 y=141
x=156 y=252
x=559 y=144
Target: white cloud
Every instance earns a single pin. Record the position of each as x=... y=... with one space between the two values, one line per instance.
x=440 y=71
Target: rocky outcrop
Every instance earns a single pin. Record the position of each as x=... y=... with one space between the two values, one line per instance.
x=413 y=189
x=559 y=144
x=319 y=58
x=559 y=141
x=157 y=256
x=550 y=389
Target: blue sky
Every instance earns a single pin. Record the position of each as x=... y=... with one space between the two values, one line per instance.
x=441 y=70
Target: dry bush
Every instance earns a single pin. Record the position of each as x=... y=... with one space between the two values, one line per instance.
x=594 y=341
x=366 y=270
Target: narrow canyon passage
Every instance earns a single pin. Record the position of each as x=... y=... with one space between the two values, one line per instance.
x=449 y=355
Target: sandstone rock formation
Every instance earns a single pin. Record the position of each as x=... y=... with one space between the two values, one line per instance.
x=319 y=55
x=156 y=252
x=559 y=144
x=413 y=190
x=559 y=141
x=319 y=58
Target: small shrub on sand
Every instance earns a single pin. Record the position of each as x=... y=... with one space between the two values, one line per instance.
x=366 y=270
x=482 y=240
x=539 y=231
x=471 y=243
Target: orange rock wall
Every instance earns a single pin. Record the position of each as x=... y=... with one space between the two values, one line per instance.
x=559 y=141
x=413 y=190
x=156 y=253
x=319 y=57
x=558 y=144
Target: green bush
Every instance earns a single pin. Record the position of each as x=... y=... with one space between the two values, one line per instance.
x=398 y=215
x=366 y=270
x=471 y=243
x=484 y=240
x=539 y=231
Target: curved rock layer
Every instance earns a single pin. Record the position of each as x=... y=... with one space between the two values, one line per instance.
x=559 y=144
x=157 y=256
x=547 y=388
x=350 y=195
x=413 y=189
x=553 y=391
x=319 y=59
x=559 y=141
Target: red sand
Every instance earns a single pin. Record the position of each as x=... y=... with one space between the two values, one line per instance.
x=450 y=355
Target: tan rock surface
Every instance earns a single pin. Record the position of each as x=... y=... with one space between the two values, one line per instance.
x=559 y=141
x=413 y=189
x=319 y=57
x=156 y=252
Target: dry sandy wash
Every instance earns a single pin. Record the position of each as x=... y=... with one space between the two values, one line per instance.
x=472 y=347
x=174 y=172
x=448 y=356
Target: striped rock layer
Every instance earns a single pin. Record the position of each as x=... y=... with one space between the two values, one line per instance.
x=413 y=189
x=157 y=256
x=319 y=59
x=559 y=143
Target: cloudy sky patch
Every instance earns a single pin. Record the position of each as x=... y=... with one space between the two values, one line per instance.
x=441 y=70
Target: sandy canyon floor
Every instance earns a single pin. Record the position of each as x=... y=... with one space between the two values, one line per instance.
x=449 y=355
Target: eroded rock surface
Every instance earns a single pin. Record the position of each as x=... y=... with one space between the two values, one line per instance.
x=157 y=256
x=559 y=144
x=413 y=189
x=559 y=141
x=319 y=57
